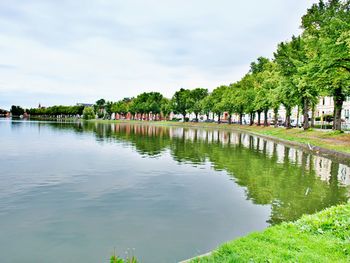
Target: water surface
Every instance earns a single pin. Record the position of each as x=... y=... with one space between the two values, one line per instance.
x=72 y=192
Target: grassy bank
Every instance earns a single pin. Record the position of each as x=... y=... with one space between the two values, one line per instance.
x=331 y=140
x=323 y=237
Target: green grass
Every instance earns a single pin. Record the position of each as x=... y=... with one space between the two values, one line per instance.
x=323 y=237
x=332 y=140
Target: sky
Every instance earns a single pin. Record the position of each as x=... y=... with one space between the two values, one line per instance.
x=64 y=52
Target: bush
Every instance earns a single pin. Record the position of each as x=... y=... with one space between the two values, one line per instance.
x=88 y=113
x=325 y=126
x=328 y=118
x=100 y=115
x=116 y=259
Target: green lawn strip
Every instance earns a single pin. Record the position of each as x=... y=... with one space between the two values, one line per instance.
x=314 y=138
x=322 y=237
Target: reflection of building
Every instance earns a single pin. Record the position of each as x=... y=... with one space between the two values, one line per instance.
x=323 y=167
x=344 y=174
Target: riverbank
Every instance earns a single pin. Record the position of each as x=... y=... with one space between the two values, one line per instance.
x=325 y=142
x=322 y=237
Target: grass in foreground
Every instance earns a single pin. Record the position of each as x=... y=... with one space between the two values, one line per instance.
x=322 y=237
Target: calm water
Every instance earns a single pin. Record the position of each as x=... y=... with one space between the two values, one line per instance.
x=75 y=192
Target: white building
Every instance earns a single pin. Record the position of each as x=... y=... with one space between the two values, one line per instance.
x=324 y=107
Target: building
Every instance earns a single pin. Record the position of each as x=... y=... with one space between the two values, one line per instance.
x=85 y=104
x=324 y=107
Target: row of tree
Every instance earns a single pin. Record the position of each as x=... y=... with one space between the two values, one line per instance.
x=53 y=111
x=313 y=64
x=57 y=111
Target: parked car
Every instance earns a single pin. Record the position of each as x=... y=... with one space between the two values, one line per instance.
x=294 y=124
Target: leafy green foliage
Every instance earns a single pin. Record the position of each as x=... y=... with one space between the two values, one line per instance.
x=323 y=237
x=197 y=95
x=182 y=102
x=16 y=110
x=116 y=259
x=148 y=102
x=57 y=110
x=88 y=113
x=326 y=31
x=165 y=107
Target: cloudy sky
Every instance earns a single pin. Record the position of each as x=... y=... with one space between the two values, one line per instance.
x=64 y=52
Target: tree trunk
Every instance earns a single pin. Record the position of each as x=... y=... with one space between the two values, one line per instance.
x=288 y=113
x=196 y=116
x=298 y=110
x=240 y=118
x=313 y=115
x=259 y=117
x=229 y=118
x=306 y=114
x=219 y=118
x=207 y=116
x=265 y=117
x=338 y=105
x=184 y=116
x=275 y=114
x=251 y=119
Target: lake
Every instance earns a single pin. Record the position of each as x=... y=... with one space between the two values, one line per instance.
x=77 y=192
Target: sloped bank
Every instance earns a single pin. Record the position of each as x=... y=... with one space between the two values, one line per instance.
x=322 y=237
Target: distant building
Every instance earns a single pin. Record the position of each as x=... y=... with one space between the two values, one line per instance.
x=41 y=106
x=4 y=113
x=326 y=107
x=85 y=104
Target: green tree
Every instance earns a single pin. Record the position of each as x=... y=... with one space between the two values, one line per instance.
x=99 y=107
x=148 y=103
x=154 y=103
x=182 y=102
x=259 y=72
x=16 y=110
x=88 y=113
x=206 y=105
x=327 y=28
x=245 y=99
x=228 y=102
x=197 y=95
x=166 y=108
x=120 y=107
x=217 y=99
x=108 y=108
x=289 y=94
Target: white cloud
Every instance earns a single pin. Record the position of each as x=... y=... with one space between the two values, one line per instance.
x=62 y=52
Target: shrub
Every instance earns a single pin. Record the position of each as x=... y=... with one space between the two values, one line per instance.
x=324 y=126
x=116 y=259
x=88 y=113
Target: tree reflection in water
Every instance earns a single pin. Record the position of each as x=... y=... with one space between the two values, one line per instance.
x=293 y=182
